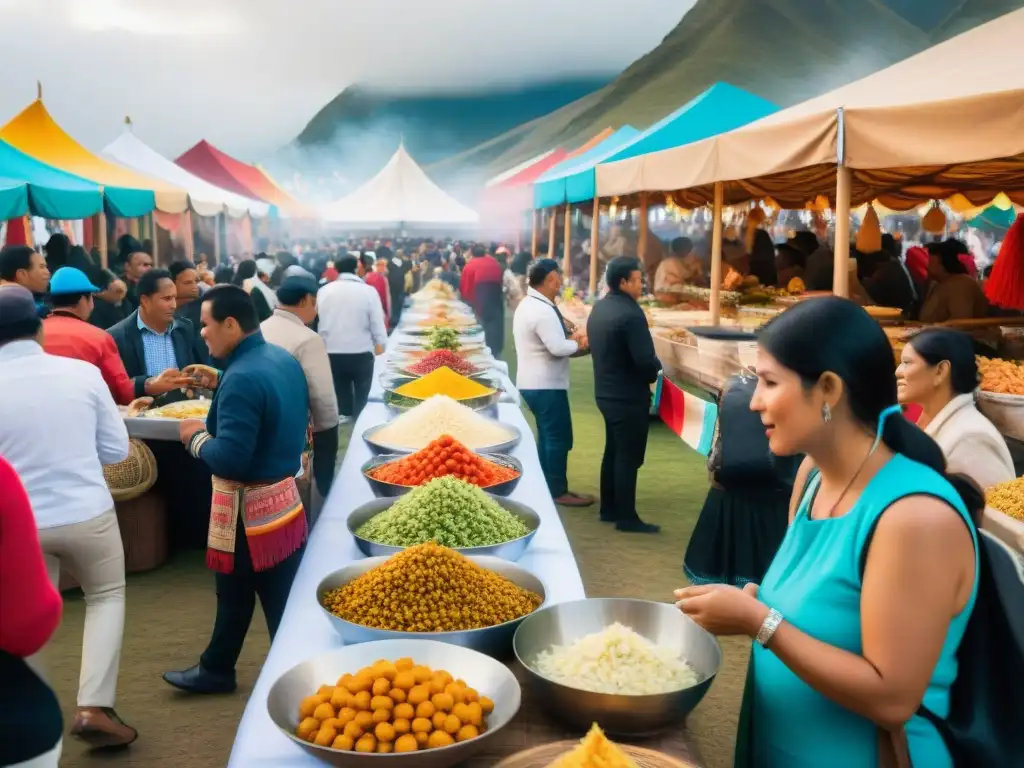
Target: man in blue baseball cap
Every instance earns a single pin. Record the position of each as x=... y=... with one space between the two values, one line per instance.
x=67 y=333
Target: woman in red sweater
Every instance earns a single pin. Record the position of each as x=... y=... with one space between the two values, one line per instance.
x=30 y=609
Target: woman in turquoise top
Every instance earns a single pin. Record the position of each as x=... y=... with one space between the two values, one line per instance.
x=859 y=617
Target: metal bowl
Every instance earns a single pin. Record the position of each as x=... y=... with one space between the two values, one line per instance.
x=394 y=379
x=623 y=715
x=383 y=489
x=461 y=330
x=492 y=678
x=370 y=437
x=494 y=641
x=398 y=404
x=508 y=550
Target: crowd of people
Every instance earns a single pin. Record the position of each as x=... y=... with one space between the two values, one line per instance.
x=288 y=345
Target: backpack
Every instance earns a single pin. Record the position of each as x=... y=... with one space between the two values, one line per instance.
x=984 y=728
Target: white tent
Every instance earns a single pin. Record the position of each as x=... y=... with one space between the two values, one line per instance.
x=400 y=194
x=206 y=199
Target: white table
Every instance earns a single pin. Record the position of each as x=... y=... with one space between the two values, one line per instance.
x=305 y=632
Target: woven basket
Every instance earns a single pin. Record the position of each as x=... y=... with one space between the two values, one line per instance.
x=542 y=757
x=135 y=475
x=1006 y=412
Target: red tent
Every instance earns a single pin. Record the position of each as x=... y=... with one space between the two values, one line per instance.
x=502 y=204
x=220 y=169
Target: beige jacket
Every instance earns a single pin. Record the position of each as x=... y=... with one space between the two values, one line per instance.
x=971 y=444
x=287 y=331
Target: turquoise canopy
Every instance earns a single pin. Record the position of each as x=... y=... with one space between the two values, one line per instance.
x=30 y=186
x=552 y=188
x=994 y=218
x=721 y=108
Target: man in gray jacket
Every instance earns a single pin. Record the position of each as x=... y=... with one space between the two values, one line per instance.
x=289 y=328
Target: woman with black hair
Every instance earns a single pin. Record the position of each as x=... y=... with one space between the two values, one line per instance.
x=953 y=294
x=938 y=371
x=247 y=278
x=762 y=259
x=858 y=620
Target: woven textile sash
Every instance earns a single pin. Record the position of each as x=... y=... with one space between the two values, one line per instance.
x=273 y=518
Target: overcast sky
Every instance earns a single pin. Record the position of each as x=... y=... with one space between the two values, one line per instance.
x=249 y=74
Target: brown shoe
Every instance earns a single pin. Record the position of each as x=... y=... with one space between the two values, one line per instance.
x=101 y=728
x=570 y=499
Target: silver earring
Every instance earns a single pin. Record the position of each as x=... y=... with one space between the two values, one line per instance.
x=826 y=413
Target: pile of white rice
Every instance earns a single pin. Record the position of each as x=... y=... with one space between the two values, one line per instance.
x=616 y=660
x=441 y=415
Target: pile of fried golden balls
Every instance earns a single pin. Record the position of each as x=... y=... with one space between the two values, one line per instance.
x=393 y=707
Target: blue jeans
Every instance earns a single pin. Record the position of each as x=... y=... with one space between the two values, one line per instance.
x=550 y=408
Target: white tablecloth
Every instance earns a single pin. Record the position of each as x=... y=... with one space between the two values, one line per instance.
x=305 y=631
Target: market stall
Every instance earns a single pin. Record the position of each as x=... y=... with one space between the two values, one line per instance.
x=313 y=634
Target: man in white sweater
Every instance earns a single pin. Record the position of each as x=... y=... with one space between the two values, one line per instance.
x=543 y=349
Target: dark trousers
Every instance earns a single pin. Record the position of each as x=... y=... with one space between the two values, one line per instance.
x=236 y=601
x=353 y=375
x=550 y=408
x=625 y=444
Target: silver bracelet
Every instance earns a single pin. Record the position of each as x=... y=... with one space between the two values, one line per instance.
x=768 y=626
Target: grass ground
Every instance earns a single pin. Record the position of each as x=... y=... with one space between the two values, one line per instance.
x=170 y=612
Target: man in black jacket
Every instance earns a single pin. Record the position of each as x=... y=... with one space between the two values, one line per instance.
x=151 y=340
x=625 y=366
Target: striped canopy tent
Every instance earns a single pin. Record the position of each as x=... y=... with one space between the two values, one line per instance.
x=28 y=186
x=205 y=198
x=553 y=188
x=507 y=196
x=220 y=169
x=128 y=194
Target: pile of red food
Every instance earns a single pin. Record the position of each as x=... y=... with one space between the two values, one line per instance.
x=442 y=358
x=443 y=457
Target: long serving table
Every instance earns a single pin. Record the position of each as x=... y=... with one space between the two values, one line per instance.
x=305 y=631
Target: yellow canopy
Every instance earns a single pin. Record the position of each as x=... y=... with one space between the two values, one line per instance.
x=35 y=133
x=944 y=121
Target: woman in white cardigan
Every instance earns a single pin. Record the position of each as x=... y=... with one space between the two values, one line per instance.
x=938 y=372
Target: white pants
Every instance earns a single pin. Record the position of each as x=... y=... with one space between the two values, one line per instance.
x=92 y=552
x=50 y=760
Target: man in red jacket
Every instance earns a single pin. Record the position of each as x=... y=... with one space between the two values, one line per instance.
x=481 y=288
x=378 y=280
x=67 y=333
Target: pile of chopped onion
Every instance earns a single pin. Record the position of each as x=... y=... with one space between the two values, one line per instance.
x=616 y=660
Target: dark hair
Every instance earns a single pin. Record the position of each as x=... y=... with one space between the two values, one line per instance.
x=293 y=292
x=937 y=344
x=246 y=271
x=225 y=273
x=58 y=250
x=178 y=267
x=890 y=246
x=521 y=263
x=540 y=270
x=232 y=301
x=347 y=264
x=478 y=251
x=790 y=256
x=149 y=283
x=682 y=246
x=22 y=329
x=66 y=300
x=14 y=258
x=948 y=252
x=127 y=245
x=859 y=353
x=620 y=269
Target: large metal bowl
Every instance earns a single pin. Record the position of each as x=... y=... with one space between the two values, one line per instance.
x=382 y=489
x=623 y=715
x=492 y=678
x=398 y=404
x=370 y=437
x=494 y=641
x=508 y=550
x=461 y=330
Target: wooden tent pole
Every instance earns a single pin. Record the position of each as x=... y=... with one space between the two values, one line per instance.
x=641 y=246
x=595 y=244
x=840 y=268
x=567 y=236
x=101 y=239
x=535 y=235
x=715 y=305
x=552 y=225
x=216 y=239
x=155 y=238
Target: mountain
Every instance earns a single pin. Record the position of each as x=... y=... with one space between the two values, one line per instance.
x=361 y=127
x=784 y=50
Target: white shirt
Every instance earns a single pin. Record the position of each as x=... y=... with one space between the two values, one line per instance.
x=351 y=316
x=971 y=443
x=58 y=427
x=542 y=351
